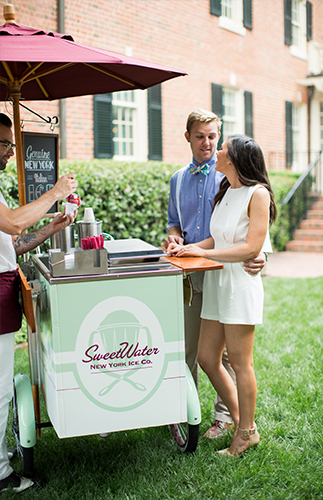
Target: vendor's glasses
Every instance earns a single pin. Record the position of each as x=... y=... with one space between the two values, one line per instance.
x=8 y=144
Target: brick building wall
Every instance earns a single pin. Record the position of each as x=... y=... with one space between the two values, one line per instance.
x=182 y=34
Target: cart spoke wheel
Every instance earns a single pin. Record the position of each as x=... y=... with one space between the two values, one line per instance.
x=186 y=436
x=27 y=454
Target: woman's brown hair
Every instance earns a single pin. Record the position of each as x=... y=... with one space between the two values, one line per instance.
x=248 y=159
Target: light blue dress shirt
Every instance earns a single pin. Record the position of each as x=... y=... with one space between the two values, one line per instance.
x=196 y=202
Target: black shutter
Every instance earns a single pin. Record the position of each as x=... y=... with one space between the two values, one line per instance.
x=248 y=114
x=309 y=28
x=217 y=106
x=103 y=135
x=288 y=21
x=289 y=134
x=155 y=123
x=247 y=14
x=215 y=7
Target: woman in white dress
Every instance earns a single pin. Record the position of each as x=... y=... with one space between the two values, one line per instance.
x=232 y=299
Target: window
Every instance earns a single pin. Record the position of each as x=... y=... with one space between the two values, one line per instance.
x=299 y=137
x=298 y=26
x=229 y=113
x=124 y=110
x=234 y=106
x=120 y=125
x=227 y=9
x=234 y=15
x=296 y=136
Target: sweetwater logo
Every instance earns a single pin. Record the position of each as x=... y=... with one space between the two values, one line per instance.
x=121 y=353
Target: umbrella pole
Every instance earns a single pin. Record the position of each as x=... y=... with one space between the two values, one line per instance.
x=19 y=155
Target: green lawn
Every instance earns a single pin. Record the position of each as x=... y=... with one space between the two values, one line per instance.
x=145 y=465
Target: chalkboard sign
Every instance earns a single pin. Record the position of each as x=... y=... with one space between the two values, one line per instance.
x=41 y=165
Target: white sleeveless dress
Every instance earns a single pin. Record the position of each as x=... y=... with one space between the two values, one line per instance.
x=230 y=295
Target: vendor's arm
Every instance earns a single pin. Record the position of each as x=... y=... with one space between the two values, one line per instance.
x=27 y=242
x=258 y=225
x=17 y=220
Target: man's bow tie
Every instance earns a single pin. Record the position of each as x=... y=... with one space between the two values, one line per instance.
x=196 y=169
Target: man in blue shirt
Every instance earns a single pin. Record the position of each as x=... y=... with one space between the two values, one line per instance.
x=192 y=191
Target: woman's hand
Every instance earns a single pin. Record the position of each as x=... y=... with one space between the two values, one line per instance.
x=185 y=250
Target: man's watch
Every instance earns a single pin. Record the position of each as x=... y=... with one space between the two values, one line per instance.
x=266 y=255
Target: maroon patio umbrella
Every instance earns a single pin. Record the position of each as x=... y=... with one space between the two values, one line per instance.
x=42 y=65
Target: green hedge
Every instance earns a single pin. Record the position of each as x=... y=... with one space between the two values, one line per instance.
x=131 y=199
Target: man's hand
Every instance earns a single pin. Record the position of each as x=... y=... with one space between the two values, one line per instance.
x=65 y=186
x=256 y=265
x=173 y=238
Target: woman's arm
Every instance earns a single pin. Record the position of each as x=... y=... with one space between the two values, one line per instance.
x=258 y=225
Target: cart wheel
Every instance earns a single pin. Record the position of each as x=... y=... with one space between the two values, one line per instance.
x=24 y=431
x=186 y=436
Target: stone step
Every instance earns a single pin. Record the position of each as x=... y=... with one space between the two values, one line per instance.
x=318 y=205
x=315 y=214
x=308 y=234
x=312 y=224
x=304 y=246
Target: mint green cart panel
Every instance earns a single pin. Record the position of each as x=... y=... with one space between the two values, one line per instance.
x=113 y=355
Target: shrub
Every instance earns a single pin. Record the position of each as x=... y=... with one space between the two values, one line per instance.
x=281 y=183
x=131 y=199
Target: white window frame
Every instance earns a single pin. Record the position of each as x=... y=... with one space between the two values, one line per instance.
x=139 y=108
x=234 y=23
x=299 y=49
x=299 y=137
x=321 y=124
x=236 y=120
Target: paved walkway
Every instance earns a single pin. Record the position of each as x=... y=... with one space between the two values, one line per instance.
x=294 y=265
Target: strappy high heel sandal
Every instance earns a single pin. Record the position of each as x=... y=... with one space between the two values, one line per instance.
x=252 y=438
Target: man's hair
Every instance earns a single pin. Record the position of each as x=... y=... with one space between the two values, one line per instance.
x=203 y=116
x=5 y=120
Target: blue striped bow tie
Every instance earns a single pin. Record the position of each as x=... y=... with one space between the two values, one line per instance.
x=196 y=169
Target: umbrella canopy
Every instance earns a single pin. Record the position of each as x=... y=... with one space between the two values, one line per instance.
x=40 y=65
x=47 y=65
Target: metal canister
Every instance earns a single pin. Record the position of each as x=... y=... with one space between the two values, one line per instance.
x=85 y=229
x=63 y=239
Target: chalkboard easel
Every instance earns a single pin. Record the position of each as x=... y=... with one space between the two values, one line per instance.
x=40 y=165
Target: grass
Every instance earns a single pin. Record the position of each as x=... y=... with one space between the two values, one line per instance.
x=144 y=464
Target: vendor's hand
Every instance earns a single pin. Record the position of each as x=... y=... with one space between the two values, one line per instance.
x=256 y=265
x=172 y=238
x=65 y=186
x=62 y=220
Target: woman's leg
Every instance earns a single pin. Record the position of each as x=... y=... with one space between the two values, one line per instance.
x=210 y=350
x=239 y=340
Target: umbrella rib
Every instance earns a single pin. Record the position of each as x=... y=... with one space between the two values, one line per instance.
x=110 y=73
x=48 y=72
x=8 y=71
x=40 y=85
x=31 y=69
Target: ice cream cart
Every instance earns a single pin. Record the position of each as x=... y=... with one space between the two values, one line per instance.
x=108 y=349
